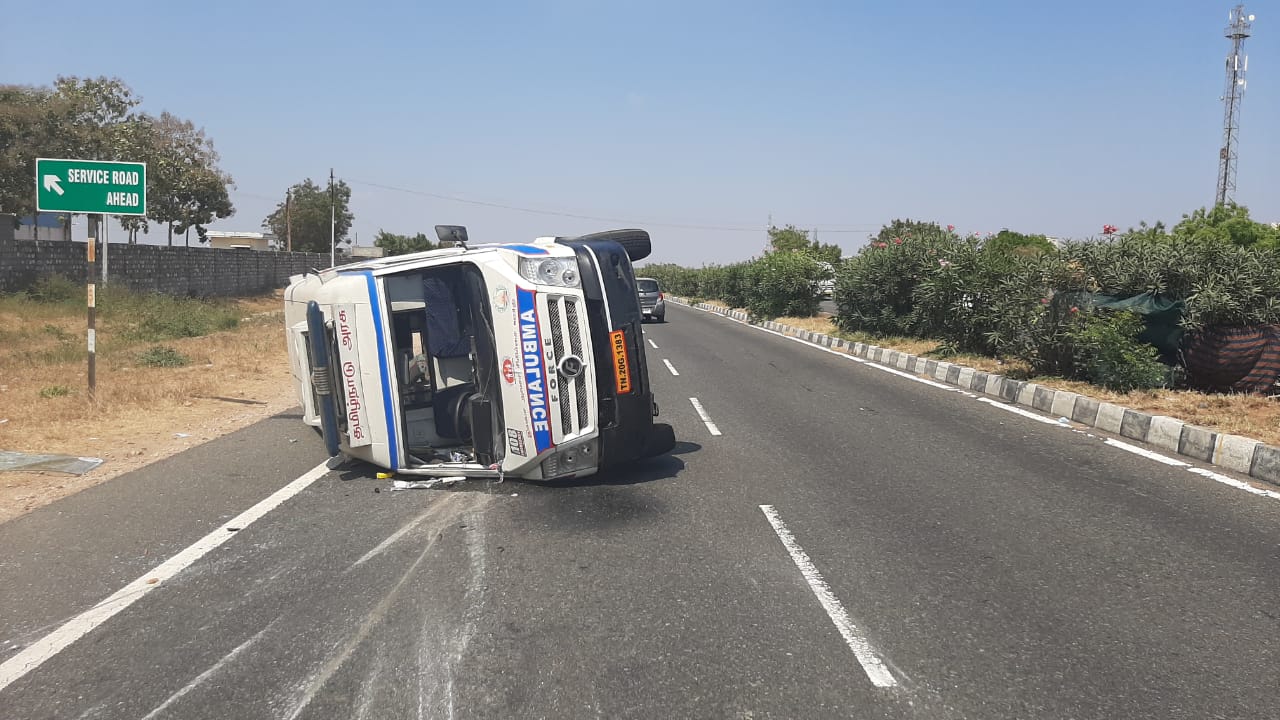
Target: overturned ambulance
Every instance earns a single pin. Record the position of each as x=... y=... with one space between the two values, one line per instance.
x=480 y=361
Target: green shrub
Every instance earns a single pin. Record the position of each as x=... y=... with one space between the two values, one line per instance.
x=56 y=289
x=782 y=284
x=1106 y=352
x=162 y=356
x=54 y=391
x=57 y=332
x=160 y=317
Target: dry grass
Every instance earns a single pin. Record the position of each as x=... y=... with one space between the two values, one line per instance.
x=1248 y=415
x=141 y=413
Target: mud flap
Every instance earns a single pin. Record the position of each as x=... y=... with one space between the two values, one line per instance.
x=321 y=377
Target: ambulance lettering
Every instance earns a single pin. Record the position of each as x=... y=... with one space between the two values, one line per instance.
x=534 y=369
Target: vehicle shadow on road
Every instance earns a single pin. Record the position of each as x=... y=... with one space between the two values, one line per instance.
x=661 y=467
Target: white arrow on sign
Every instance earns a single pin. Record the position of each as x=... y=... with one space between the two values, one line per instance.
x=51 y=183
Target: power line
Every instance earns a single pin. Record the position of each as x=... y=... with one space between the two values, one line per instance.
x=595 y=218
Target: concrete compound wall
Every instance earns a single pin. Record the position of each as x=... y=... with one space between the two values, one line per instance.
x=181 y=271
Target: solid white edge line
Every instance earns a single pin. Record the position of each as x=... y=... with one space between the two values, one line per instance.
x=1238 y=484
x=669 y=366
x=654 y=344
x=77 y=627
x=706 y=419
x=1024 y=413
x=871 y=664
x=1145 y=453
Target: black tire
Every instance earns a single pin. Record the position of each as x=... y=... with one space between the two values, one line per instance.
x=636 y=243
x=661 y=440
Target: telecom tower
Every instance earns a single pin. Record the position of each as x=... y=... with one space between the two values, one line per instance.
x=1237 y=63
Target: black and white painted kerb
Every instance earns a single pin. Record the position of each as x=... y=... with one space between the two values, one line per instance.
x=1233 y=452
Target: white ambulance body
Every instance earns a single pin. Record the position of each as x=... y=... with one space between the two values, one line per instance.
x=524 y=360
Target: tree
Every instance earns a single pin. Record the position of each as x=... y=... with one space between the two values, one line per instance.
x=186 y=188
x=310 y=216
x=1225 y=224
x=789 y=238
x=899 y=231
x=76 y=118
x=793 y=239
x=393 y=244
x=95 y=119
x=1008 y=242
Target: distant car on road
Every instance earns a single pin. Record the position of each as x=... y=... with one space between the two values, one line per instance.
x=652 y=301
x=827 y=284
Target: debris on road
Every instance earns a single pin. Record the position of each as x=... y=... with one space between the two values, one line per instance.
x=427 y=484
x=12 y=460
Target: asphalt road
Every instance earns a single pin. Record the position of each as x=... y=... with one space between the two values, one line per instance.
x=920 y=554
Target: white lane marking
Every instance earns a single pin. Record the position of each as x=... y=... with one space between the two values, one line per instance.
x=207 y=673
x=706 y=419
x=1145 y=453
x=867 y=658
x=670 y=367
x=1024 y=413
x=654 y=344
x=77 y=627
x=1237 y=484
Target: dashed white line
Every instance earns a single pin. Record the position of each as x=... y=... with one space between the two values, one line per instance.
x=706 y=419
x=77 y=627
x=871 y=664
x=654 y=344
x=670 y=367
x=1030 y=415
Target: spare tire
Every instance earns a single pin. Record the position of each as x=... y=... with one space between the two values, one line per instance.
x=635 y=242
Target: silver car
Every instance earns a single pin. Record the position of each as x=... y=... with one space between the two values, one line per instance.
x=652 y=303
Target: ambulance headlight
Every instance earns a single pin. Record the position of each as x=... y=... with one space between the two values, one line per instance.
x=569 y=459
x=550 y=271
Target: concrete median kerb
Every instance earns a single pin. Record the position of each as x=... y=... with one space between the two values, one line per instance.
x=1233 y=452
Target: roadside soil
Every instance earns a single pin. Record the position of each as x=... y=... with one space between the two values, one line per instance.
x=235 y=378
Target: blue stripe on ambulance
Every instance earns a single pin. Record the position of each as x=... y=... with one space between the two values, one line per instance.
x=535 y=371
x=393 y=447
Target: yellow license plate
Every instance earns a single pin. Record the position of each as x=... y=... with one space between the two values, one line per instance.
x=621 y=363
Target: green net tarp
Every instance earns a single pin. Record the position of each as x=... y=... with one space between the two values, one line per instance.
x=1160 y=315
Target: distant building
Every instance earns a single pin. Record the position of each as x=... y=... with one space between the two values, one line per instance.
x=240 y=240
x=365 y=252
x=44 y=226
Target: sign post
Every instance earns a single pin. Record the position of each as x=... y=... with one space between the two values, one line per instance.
x=96 y=188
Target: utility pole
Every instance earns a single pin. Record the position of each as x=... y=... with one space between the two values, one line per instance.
x=333 y=224
x=1240 y=24
x=288 y=220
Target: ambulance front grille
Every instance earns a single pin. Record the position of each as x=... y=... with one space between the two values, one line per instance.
x=573 y=394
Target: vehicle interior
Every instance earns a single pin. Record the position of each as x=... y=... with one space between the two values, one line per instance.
x=445 y=364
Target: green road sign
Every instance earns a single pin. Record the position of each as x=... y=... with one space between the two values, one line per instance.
x=91 y=186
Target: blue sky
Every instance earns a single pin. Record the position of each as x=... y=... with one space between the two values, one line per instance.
x=840 y=116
